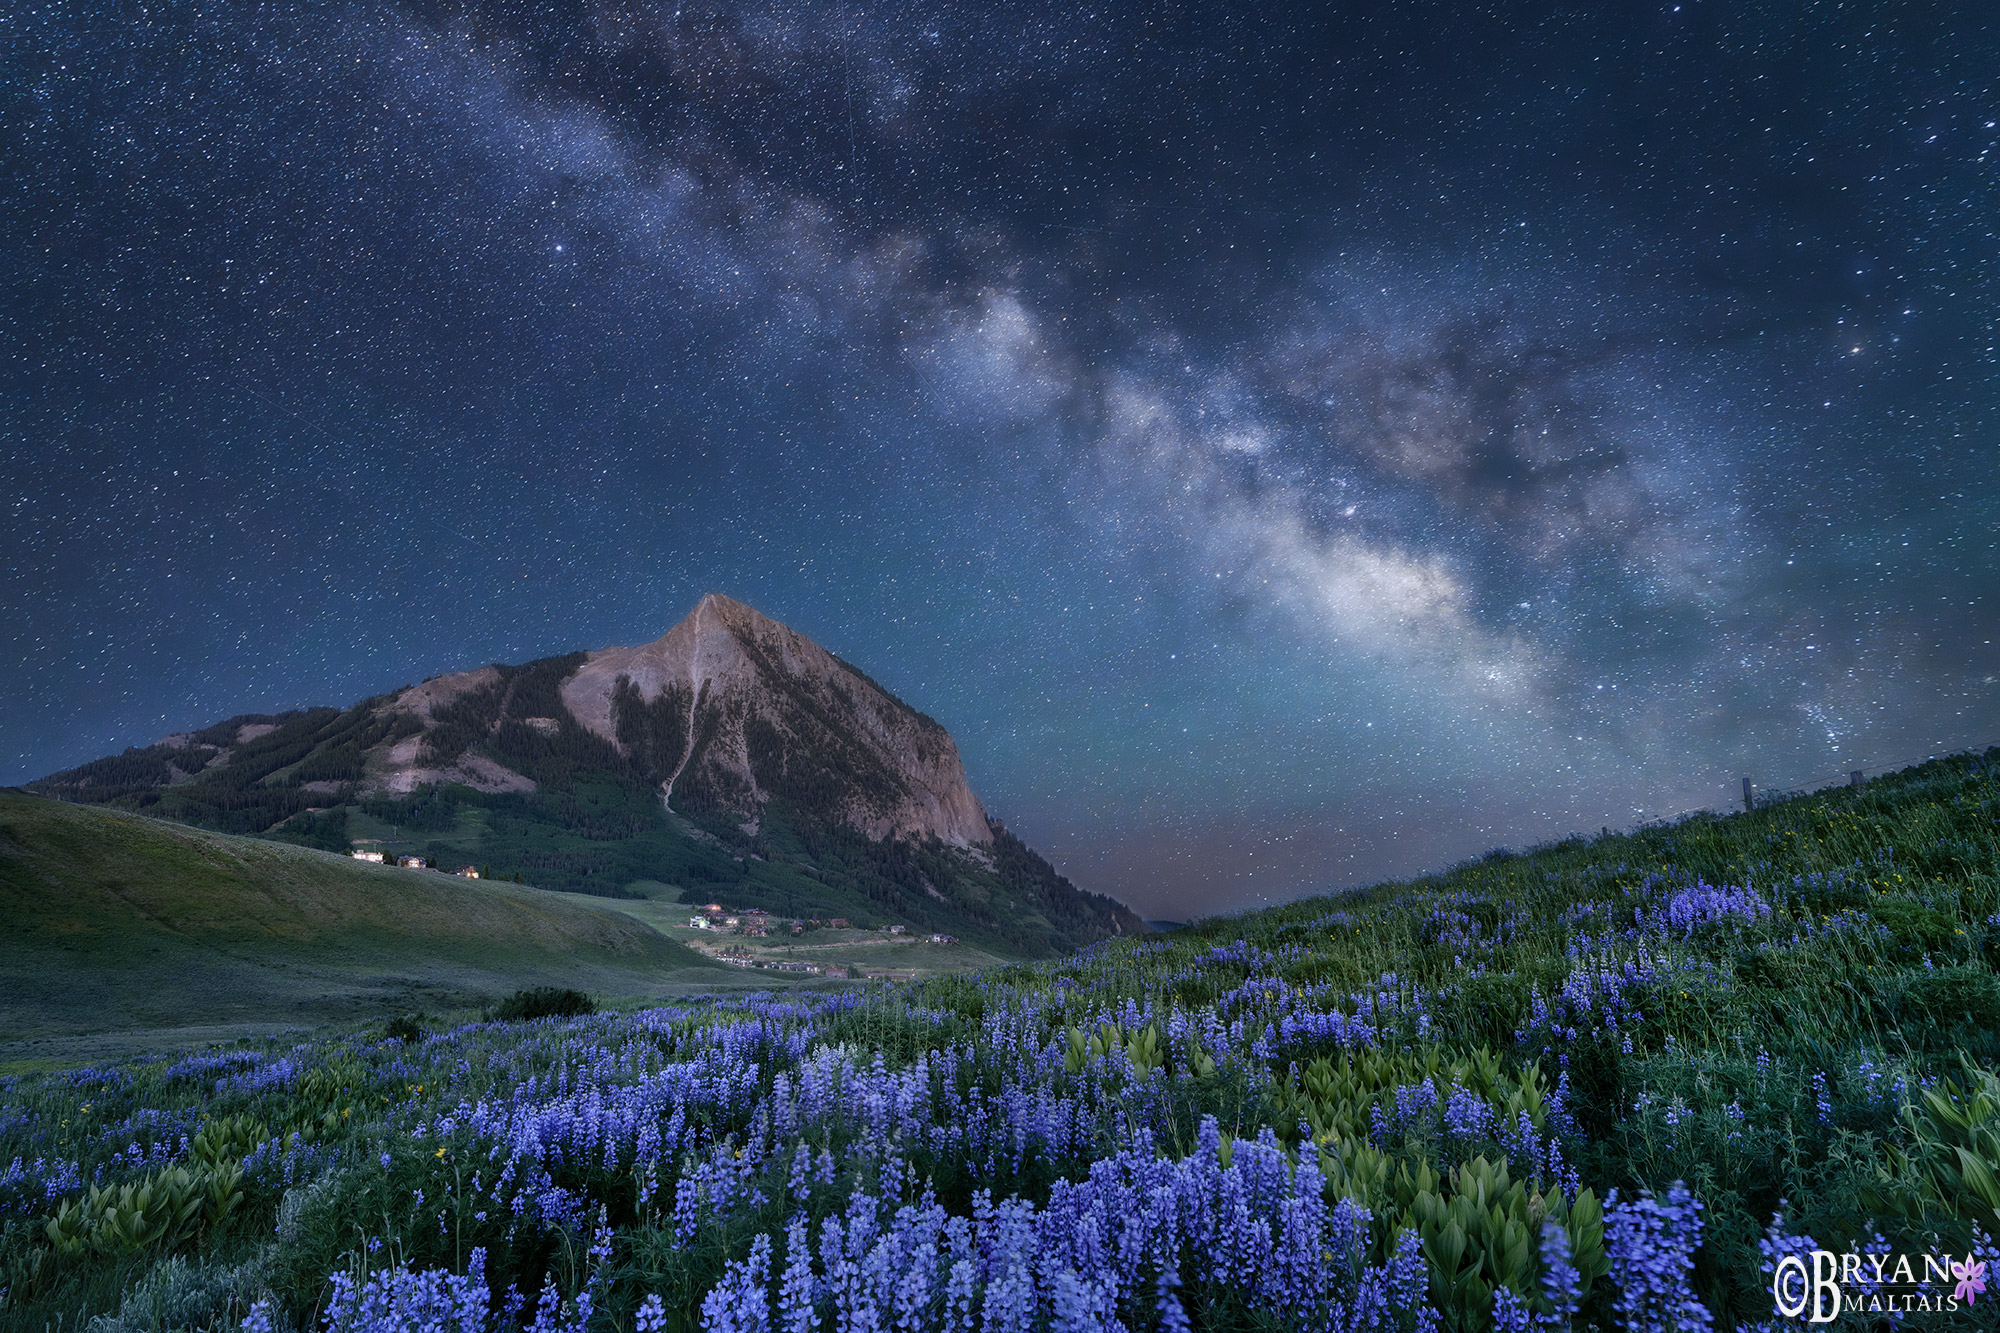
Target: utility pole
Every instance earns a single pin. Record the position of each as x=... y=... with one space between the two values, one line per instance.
x=1748 y=803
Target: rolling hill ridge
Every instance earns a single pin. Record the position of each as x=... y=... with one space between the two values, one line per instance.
x=119 y=922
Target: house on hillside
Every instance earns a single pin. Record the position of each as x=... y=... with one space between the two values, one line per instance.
x=468 y=872
x=836 y=923
x=413 y=863
x=944 y=939
x=700 y=923
x=372 y=857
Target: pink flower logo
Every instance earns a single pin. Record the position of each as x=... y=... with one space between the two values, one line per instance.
x=1971 y=1279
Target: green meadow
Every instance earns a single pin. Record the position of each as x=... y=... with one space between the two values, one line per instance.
x=127 y=930
x=1604 y=1083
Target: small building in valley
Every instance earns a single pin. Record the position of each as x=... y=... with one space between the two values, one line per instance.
x=413 y=863
x=373 y=857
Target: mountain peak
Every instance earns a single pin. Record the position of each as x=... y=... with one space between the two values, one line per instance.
x=715 y=603
x=716 y=612
x=707 y=632
x=731 y=709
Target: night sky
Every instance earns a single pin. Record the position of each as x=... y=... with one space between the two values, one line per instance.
x=1284 y=445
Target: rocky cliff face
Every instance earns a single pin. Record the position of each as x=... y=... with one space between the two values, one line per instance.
x=730 y=709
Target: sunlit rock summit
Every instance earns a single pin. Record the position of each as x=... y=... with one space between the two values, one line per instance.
x=730 y=709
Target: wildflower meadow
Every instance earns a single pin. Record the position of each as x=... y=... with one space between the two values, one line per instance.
x=1608 y=1084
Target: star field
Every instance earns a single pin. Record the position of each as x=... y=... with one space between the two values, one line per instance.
x=1284 y=445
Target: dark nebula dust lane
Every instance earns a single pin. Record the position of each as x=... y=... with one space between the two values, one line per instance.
x=1284 y=447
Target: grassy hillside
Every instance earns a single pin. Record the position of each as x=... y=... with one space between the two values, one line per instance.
x=1595 y=1085
x=116 y=922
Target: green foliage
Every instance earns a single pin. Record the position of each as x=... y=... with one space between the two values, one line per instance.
x=1946 y=997
x=326 y=830
x=225 y=1141
x=328 y=1093
x=465 y=721
x=179 y=1295
x=654 y=734
x=1497 y=1005
x=1144 y=1050
x=543 y=1002
x=1951 y=1166
x=893 y=1030
x=1478 y=1234
x=1480 y=1227
x=253 y=787
x=133 y=771
x=1336 y=1099
x=339 y=762
x=164 y=1209
x=430 y=809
